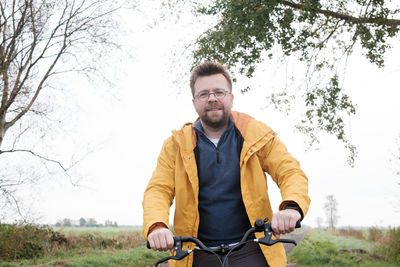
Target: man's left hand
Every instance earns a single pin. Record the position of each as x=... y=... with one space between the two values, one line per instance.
x=284 y=221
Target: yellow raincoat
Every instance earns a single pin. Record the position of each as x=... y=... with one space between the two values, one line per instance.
x=176 y=177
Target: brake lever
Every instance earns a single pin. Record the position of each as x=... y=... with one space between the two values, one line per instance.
x=185 y=253
x=269 y=242
x=179 y=252
x=267 y=239
x=288 y=241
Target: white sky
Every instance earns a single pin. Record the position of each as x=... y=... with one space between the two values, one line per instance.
x=131 y=128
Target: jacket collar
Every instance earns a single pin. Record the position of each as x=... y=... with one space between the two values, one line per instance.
x=252 y=131
x=198 y=127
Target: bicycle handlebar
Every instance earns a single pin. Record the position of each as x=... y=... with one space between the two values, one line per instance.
x=259 y=226
x=178 y=240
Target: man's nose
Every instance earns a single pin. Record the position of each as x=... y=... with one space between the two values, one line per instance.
x=212 y=97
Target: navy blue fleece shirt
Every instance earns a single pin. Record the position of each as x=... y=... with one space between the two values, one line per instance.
x=223 y=218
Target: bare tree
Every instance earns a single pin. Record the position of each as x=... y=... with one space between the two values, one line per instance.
x=331 y=210
x=39 y=40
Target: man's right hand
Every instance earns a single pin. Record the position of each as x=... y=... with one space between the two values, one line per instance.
x=161 y=239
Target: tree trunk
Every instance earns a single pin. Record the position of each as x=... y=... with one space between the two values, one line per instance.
x=2 y=129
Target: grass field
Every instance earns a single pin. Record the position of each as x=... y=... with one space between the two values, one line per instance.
x=122 y=246
x=95 y=246
x=106 y=231
x=326 y=248
x=136 y=257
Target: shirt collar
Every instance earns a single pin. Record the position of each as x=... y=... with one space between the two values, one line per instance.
x=198 y=127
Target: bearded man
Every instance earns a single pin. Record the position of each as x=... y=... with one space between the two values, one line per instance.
x=215 y=169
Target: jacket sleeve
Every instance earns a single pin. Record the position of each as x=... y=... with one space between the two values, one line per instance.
x=286 y=172
x=159 y=194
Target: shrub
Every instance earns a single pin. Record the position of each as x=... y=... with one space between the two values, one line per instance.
x=27 y=241
x=313 y=252
x=350 y=232
x=375 y=234
x=99 y=241
x=393 y=245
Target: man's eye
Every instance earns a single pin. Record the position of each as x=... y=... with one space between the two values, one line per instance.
x=204 y=94
x=219 y=93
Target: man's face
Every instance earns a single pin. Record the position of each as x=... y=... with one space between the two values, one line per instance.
x=214 y=112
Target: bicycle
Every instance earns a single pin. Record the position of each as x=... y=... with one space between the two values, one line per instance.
x=225 y=250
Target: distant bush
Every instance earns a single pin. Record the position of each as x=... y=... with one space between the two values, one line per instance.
x=388 y=242
x=99 y=241
x=391 y=243
x=27 y=241
x=375 y=234
x=351 y=232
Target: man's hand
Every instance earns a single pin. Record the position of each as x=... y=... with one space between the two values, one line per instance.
x=284 y=221
x=161 y=239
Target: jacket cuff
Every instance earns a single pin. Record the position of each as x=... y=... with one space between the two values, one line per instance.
x=156 y=226
x=292 y=205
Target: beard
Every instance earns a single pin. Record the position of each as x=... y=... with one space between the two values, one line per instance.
x=213 y=122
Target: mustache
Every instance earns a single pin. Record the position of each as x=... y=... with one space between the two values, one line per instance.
x=214 y=106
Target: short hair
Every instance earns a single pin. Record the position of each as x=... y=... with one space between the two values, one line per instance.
x=207 y=69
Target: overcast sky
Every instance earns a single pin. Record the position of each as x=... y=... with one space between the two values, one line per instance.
x=129 y=128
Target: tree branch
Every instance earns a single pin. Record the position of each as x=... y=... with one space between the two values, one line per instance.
x=347 y=18
x=58 y=163
x=9 y=195
x=36 y=155
x=16 y=89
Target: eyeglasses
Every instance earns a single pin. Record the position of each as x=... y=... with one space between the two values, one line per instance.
x=204 y=96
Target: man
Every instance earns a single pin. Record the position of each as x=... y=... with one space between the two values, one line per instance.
x=215 y=169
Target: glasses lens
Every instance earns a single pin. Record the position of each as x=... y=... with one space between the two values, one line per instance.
x=203 y=96
x=219 y=93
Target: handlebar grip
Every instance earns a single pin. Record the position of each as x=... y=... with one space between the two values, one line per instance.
x=176 y=238
x=298 y=224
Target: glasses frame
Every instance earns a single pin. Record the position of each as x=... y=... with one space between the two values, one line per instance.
x=213 y=93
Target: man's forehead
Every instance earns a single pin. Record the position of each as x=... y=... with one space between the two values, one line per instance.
x=211 y=82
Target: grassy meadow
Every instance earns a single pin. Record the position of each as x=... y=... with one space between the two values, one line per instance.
x=74 y=247
x=122 y=246
x=348 y=247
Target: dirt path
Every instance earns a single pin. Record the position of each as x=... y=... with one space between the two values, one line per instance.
x=298 y=236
